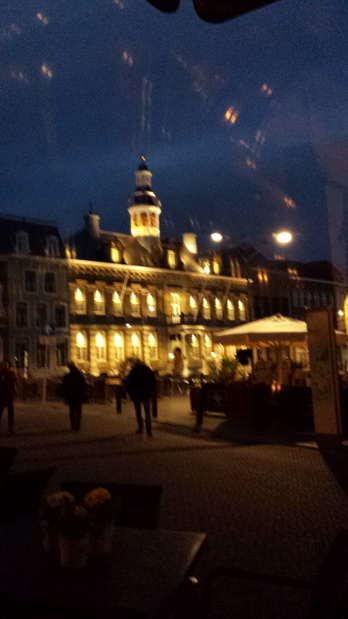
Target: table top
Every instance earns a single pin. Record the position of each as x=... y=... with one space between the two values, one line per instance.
x=145 y=569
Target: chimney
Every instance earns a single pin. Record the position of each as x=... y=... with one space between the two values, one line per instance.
x=92 y=222
x=189 y=240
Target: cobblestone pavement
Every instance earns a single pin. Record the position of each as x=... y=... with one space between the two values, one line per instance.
x=267 y=502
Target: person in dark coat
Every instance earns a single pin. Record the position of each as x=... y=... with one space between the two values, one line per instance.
x=141 y=386
x=75 y=392
x=8 y=383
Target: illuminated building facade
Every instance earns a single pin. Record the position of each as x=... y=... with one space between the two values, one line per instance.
x=137 y=296
x=34 y=330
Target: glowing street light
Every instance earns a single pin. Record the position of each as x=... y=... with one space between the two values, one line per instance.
x=284 y=237
x=216 y=237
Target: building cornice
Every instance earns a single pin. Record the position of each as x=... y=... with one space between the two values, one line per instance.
x=143 y=273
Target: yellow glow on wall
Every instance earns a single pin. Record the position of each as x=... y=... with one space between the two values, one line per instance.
x=78 y=295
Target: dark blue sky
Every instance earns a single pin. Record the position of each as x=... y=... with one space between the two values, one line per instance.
x=87 y=87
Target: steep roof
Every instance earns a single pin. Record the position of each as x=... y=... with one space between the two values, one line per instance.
x=37 y=230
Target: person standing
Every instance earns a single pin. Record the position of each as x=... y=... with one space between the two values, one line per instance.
x=75 y=392
x=8 y=383
x=141 y=386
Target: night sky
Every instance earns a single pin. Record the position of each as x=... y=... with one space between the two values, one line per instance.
x=242 y=123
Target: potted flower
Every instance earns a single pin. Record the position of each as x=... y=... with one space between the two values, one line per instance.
x=74 y=537
x=54 y=509
x=100 y=508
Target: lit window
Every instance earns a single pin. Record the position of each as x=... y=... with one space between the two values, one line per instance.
x=80 y=301
x=153 y=346
x=217 y=266
x=230 y=310
x=194 y=347
x=99 y=302
x=135 y=220
x=175 y=305
x=115 y=253
x=151 y=304
x=241 y=309
x=206 y=309
x=206 y=267
x=171 y=258
x=117 y=304
x=22 y=242
x=135 y=304
x=81 y=346
x=153 y=222
x=143 y=219
x=207 y=343
x=119 y=346
x=135 y=345
x=192 y=304
x=218 y=309
x=100 y=343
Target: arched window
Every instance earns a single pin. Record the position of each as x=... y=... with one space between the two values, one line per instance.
x=230 y=310
x=206 y=309
x=241 y=310
x=99 y=302
x=218 y=308
x=22 y=242
x=135 y=304
x=192 y=304
x=135 y=220
x=151 y=304
x=100 y=344
x=153 y=220
x=119 y=346
x=135 y=345
x=117 y=304
x=153 y=346
x=81 y=346
x=80 y=301
x=207 y=344
x=143 y=219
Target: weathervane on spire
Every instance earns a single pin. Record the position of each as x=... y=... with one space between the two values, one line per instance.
x=142 y=157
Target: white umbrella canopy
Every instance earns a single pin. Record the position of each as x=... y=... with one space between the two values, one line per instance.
x=274 y=331
x=271 y=331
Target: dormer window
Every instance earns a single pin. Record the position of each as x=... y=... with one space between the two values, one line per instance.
x=171 y=258
x=22 y=242
x=115 y=252
x=52 y=247
x=217 y=265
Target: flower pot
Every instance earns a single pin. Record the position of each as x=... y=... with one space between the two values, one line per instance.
x=74 y=552
x=101 y=540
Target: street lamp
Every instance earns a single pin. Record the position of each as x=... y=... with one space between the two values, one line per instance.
x=283 y=237
x=216 y=237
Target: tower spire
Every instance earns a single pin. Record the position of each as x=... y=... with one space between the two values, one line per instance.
x=145 y=209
